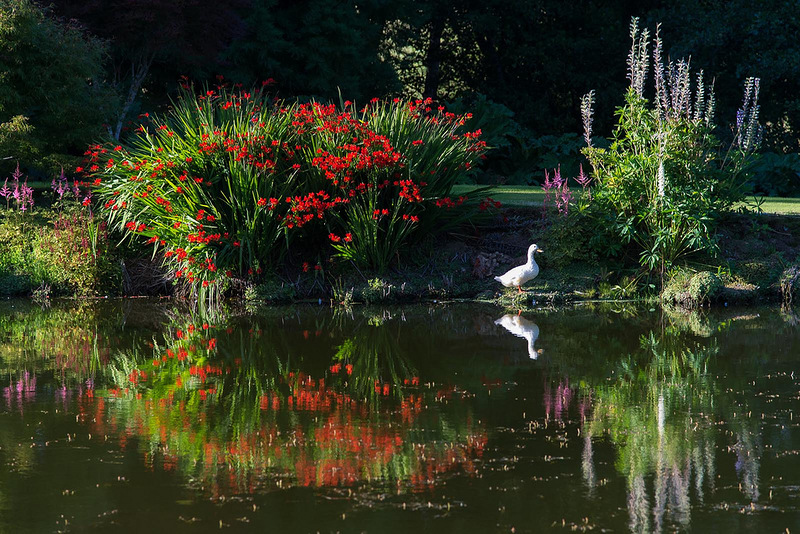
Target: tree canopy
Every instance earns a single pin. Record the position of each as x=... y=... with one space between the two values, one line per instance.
x=90 y=62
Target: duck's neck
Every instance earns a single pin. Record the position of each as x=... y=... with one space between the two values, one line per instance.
x=531 y=261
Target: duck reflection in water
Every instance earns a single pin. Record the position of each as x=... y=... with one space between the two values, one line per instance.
x=521 y=327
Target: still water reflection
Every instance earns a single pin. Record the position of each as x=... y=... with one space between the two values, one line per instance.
x=119 y=415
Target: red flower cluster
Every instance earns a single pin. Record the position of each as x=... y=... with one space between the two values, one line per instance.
x=306 y=162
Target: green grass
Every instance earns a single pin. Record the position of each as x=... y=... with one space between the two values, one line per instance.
x=780 y=206
x=527 y=196
x=509 y=195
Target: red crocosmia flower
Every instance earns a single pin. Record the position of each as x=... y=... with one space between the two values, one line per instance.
x=335 y=238
x=176 y=224
x=212 y=343
x=179 y=334
x=349 y=368
x=348 y=237
x=306 y=266
x=156 y=363
x=262 y=201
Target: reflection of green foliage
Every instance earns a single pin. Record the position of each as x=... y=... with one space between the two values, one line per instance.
x=656 y=395
x=211 y=398
x=662 y=413
x=61 y=339
x=375 y=359
x=693 y=321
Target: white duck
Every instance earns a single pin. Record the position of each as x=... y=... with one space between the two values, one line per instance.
x=523 y=273
x=521 y=327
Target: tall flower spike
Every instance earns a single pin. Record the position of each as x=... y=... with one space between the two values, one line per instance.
x=662 y=100
x=748 y=131
x=700 y=98
x=710 y=105
x=587 y=110
x=638 y=57
x=633 y=54
x=643 y=62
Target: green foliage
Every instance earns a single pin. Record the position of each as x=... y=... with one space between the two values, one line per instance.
x=378 y=291
x=790 y=284
x=566 y=241
x=314 y=48
x=776 y=174
x=665 y=177
x=68 y=251
x=51 y=99
x=517 y=156
x=271 y=290
x=738 y=38
x=691 y=290
x=231 y=182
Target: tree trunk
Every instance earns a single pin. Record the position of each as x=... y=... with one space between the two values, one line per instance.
x=433 y=59
x=492 y=60
x=138 y=74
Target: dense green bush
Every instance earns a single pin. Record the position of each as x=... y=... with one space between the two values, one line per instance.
x=776 y=174
x=665 y=178
x=228 y=183
x=51 y=99
x=65 y=252
x=691 y=290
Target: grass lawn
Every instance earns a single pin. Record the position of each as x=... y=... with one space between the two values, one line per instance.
x=524 y=196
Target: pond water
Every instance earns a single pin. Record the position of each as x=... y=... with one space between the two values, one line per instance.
x=135 y=415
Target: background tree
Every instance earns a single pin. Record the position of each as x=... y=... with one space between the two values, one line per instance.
x=734 y=39
x=153 y=42
x=314 y=48
x=51 y=98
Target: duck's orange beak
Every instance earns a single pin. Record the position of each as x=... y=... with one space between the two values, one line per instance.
x=539 y=250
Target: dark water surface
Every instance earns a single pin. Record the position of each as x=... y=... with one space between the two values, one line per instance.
x=134 y=416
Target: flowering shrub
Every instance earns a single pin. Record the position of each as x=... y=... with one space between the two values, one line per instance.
x=665 y=176
x=227 y=181
x=66 y=246
x=19 y=195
